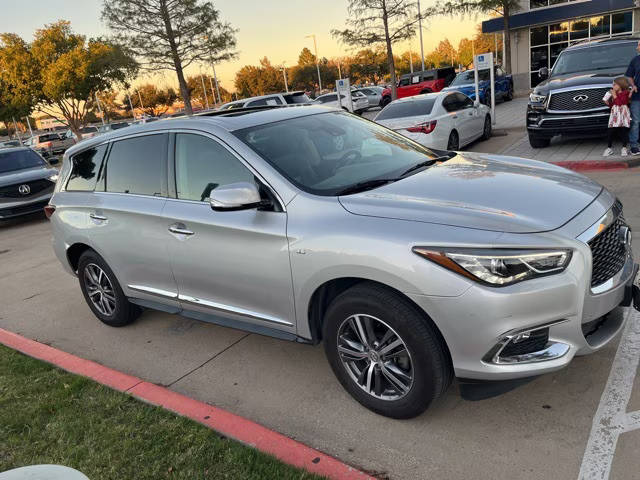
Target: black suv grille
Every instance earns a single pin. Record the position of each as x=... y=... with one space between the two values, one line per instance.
x=608 y=252
x=564 y=101
x=35 y=186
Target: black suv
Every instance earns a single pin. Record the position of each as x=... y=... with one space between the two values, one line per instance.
x=569 y=100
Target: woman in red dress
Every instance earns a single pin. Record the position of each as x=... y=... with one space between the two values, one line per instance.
x=620 y=117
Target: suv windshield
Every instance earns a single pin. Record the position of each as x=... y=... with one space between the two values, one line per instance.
x=465 y=78
x=19 y=160
x=326 y=153
x=601 y=57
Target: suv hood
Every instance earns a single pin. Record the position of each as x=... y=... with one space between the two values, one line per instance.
x=26 y=175
x=598 y=77
x=487 y=192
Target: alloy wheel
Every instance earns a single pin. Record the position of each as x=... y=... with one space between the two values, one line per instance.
x=375 y=357
x=99 y=289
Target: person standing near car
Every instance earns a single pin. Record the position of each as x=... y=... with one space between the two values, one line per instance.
x=633 y=72
x=618 y=100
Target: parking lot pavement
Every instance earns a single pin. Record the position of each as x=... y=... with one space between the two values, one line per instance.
x=540 y=430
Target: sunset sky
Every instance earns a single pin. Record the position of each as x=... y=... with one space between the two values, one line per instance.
x=273 y=28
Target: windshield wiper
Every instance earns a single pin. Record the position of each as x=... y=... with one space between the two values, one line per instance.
x=427 y=163
x=366 y=185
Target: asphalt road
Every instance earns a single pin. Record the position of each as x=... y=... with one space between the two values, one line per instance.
x=540 y=430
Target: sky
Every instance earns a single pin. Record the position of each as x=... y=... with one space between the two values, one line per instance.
x=272 y=28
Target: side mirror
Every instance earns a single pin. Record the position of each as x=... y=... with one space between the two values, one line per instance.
x=543 y=73
x=236 y=196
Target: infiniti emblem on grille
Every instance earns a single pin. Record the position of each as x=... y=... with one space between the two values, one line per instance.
x=625 y=236
x=581 y=98
x=24 y=189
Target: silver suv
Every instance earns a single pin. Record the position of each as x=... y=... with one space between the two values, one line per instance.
x=310 y=224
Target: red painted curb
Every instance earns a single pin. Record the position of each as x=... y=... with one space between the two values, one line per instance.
x=592 y=165
x=226 y=423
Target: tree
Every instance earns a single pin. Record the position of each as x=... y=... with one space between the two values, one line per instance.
x=503 y=8
x=65 y=71
x=16 y=69
x=252 y=81
x=155 y=101
x=110 y=105
x=197 y=93
x=368 y=65
x=376 y=22
x=306 y=58
x=171 y=34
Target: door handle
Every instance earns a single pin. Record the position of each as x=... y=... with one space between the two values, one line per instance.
x=180 y=229
x=98 y=217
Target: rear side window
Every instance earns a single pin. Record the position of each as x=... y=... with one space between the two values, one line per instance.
x=48 y=138
x=407 y=109
x=329 y=98
x=404 y=82
x=84 y=169
x=202 y=165
x=297 y=98
x=137 y=165
x=265 y=101
x=451 y=103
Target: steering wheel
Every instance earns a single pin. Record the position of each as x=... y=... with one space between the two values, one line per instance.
x=349 y=157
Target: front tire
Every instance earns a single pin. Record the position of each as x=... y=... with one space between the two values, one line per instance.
x=103 y=293
x=486 y=131
x=538 y=142
x=385 y=101
x=384 y=352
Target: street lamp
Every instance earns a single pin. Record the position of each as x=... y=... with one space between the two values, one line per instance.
x=420 y=28
x=284 y=74
x=315 y=47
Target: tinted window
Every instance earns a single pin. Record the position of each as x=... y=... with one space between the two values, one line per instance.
x=88 y=130
x=19 y=160
x=468 y=76
x=116 y=126
x=136 y=165
x=407 y=109
x=48 y=138
x=329 y=98
x=202 y=165
x=446 y=73
x=451 y=103
x=297 y=98
x=463 y=101
x=404 y=82
x=265 y=101
x=85 y=168
x=595 y=58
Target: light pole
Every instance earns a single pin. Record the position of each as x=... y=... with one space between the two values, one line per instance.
x=215 y=78
x=284 y=74
x=204 y=90
x=99 y=108
x=133 y=114
x=315 y=47
x=213 y=93
x=141 y=105
x=420 y=28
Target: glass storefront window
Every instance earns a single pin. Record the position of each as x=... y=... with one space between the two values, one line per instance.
x=539 y=36
x=579 y=29
x=600 y=25
x=544 y=52
x=538 y=4
x=621 y=22
x=559 y=32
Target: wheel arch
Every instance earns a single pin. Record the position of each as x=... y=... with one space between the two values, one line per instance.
x=325 y=293
x=74 y=252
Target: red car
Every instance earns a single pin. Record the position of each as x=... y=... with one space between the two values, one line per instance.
x=415 y=83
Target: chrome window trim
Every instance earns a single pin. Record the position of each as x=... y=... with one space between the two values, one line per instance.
x=233 y=152
x=230 y=309
x=159 y=197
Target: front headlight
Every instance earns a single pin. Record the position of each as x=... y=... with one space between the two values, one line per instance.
x=498 y=268
x=53 y=178
x=535 y=98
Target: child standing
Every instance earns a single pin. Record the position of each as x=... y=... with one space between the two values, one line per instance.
x=620 y=118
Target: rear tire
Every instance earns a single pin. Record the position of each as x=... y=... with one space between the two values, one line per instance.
x=453 y=144
x=419 y=360
x=102 y=291
x=385 y=101
x=538 y=142
x=486 y=132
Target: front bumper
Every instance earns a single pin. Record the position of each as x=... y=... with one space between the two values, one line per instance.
x=539 y=325
x=547 y=125
x=18 y=209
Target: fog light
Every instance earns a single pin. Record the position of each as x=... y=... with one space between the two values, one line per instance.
x=521 y=337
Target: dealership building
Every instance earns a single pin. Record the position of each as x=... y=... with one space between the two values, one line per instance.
x=541 y=29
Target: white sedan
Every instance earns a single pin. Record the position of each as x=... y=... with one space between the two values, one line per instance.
x=443 y=120
x=360 y=102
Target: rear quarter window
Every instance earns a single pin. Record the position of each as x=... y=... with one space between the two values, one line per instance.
x=84 y=169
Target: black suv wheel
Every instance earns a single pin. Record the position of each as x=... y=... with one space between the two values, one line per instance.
x=538 y=142
x=384 y=352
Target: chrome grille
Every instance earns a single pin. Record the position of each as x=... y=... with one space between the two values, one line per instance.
x=564 y=101
x=608 y=253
